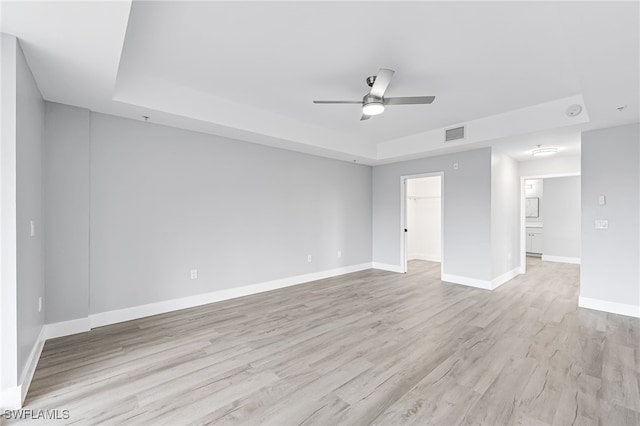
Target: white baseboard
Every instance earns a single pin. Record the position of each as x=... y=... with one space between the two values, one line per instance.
x=507 y=276
x=424 y=256
x=387 y=267
x=67 y=328
x=32 y=363
x=127 y=314
x=80 y=325
x=471 y=282
x=561 y=259
x=612 y=307
x=11 y=399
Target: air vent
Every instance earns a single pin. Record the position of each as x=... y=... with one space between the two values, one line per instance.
x=454 y=134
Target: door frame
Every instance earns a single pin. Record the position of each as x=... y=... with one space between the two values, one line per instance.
x=403 y=217
x=523 y=219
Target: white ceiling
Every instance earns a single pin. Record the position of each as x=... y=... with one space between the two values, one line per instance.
x=250 y=70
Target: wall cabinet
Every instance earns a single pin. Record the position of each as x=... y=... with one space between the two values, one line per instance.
x=534 y=240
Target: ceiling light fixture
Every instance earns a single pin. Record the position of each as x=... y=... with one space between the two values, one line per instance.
x=372 y=106
x=539 y=151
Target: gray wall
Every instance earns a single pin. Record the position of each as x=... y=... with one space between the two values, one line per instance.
x=21 y=196
x=610 y=166
x=466 y=216
x=67 y=173
x=8 y=283
x=30 y=250
x=562 y=210
x=505 y=214
x=165 y=201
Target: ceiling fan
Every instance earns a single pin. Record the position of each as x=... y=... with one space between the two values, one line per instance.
x=374 y=102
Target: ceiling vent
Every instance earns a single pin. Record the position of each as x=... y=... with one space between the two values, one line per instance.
x=454 y=134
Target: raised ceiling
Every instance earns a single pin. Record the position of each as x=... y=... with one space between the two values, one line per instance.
x=250 y=70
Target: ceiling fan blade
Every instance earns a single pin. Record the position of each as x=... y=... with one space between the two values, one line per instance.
x=365 y=117
x=382 y=82
x=337 y=102
x=409 y=100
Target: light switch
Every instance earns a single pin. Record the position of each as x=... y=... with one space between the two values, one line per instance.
x=602 y=224
x=602 y=200
x=32 y=224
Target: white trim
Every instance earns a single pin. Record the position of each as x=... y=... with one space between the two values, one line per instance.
x=126 y=314
x=387 y=267
x=32 y=363
x=561 y=259
x=141 y=311
x=471 y=282
x=11 y=399
x=507 y=276
x=423 y=256
x=67 y=328
x=606 y=306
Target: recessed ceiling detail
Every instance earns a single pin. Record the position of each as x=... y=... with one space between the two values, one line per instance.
x=194 y=65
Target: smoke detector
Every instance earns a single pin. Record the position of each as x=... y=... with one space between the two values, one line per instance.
x=574 y=110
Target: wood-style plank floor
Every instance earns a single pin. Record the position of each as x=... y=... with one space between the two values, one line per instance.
x=365 y=348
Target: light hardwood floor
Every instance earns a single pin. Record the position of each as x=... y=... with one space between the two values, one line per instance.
x=366 y=348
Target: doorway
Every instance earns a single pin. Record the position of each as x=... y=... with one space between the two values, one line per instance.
x=422 y=221
x=550 y=218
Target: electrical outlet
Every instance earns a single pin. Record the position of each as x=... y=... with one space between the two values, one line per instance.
x=40 y=304
x=602 y=224
x=308 y=258
x=339 y=253
x=455 y=166
x=194 y=274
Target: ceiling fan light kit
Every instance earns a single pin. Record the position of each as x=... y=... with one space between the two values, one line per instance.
x=372 y=106
x=374 y=102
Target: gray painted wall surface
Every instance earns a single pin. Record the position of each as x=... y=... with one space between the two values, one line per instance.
x=505 y=214
x=30 y=111
x=165 y=201
x=67 y=205
x=562 y=217
x=466 y=216
x=609 y=265
x=8 y=262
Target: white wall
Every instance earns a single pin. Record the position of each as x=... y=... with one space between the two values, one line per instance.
x=22 y=203
x=67 y=175
x=424 y=218
x=609 y=272
x=467 y=212
x=550 y=166
x=164 y=201
x=562 y=210
x=505 y=210
x=536 y=191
